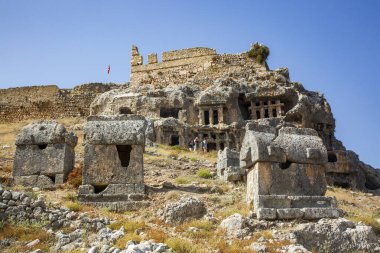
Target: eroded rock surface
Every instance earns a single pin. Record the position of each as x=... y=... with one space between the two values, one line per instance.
x=186 y=208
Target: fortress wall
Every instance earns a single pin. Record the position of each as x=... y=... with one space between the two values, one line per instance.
x=178 y=65
x=187 y=53
x=181 y=65
x=48 y=102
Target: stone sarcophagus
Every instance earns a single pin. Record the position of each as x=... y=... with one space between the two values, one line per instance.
x=286 y=173
x=44 y=154
x=228 y=166
x=113 y=171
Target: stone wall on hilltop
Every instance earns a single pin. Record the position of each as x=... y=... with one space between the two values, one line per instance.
x=196 y=64
x=48 y=102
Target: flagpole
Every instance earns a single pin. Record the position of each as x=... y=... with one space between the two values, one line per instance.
x=108 y=73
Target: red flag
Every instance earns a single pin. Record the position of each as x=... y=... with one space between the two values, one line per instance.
x=109 y=69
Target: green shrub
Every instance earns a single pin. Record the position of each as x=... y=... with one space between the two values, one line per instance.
x=73 y=206
x=259 y=52
x=204 y=173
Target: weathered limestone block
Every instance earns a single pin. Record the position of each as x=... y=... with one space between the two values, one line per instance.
x=44 y=154
x=113 y=168
x=228 y=166
x=286 y=173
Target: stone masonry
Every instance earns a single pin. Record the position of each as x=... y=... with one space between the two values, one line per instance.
x=44 y=154
x=228 y=166
x=113 y=172
x=286 y=173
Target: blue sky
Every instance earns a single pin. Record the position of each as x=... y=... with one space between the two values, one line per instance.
x=329 y=46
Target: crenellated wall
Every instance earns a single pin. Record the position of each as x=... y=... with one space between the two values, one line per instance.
x=179 y=66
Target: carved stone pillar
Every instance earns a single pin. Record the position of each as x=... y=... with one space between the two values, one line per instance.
x=211 y=116
x=201 y=117
x=220 y=115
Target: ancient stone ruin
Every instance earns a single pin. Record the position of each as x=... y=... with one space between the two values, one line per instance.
x=228 y=166
x=286 y=173
x=113 y=171
x=198 y=92
x=44 y=154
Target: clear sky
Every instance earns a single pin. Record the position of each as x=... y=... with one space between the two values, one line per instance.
x=329 y=46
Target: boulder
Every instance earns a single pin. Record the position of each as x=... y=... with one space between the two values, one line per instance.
x=186 y=208
x=337 y=235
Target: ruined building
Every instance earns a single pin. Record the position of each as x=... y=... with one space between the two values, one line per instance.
x=286 y=173
x=113 y=171
x=198 y=93
x=44 y=154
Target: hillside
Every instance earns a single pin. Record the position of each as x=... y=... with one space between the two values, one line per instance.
x=170 y=173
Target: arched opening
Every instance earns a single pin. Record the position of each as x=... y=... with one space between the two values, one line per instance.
x=124 y=152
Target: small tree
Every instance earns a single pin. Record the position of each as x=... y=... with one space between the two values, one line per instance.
x=259 y=52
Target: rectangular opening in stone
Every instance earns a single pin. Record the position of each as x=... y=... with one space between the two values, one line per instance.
x=174 y=140
x=274 y=113
x=99 y=188
x=42 y=146
x=207 y=117
x=257 y=114
x=257 y=103
x=221 y=145
x=243 y=107
x=266 y=114
x=211 y=146
x=273 y=102
x=205 y=135
x=265 y=103
x=169 y=112
x=213 y=136
x=332 y=158
x=124 y=152
x=125 y=110
x=215 y=119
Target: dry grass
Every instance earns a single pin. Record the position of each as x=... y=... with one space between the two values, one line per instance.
x=170 y=151
x=126 y=238
x=25 y=233
x=156 y=234
x=231 y=206
x=75 y=177
x=200 y=224
x=181 y=245
x=129 y=225
x=182 y=180
x=358 y=206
